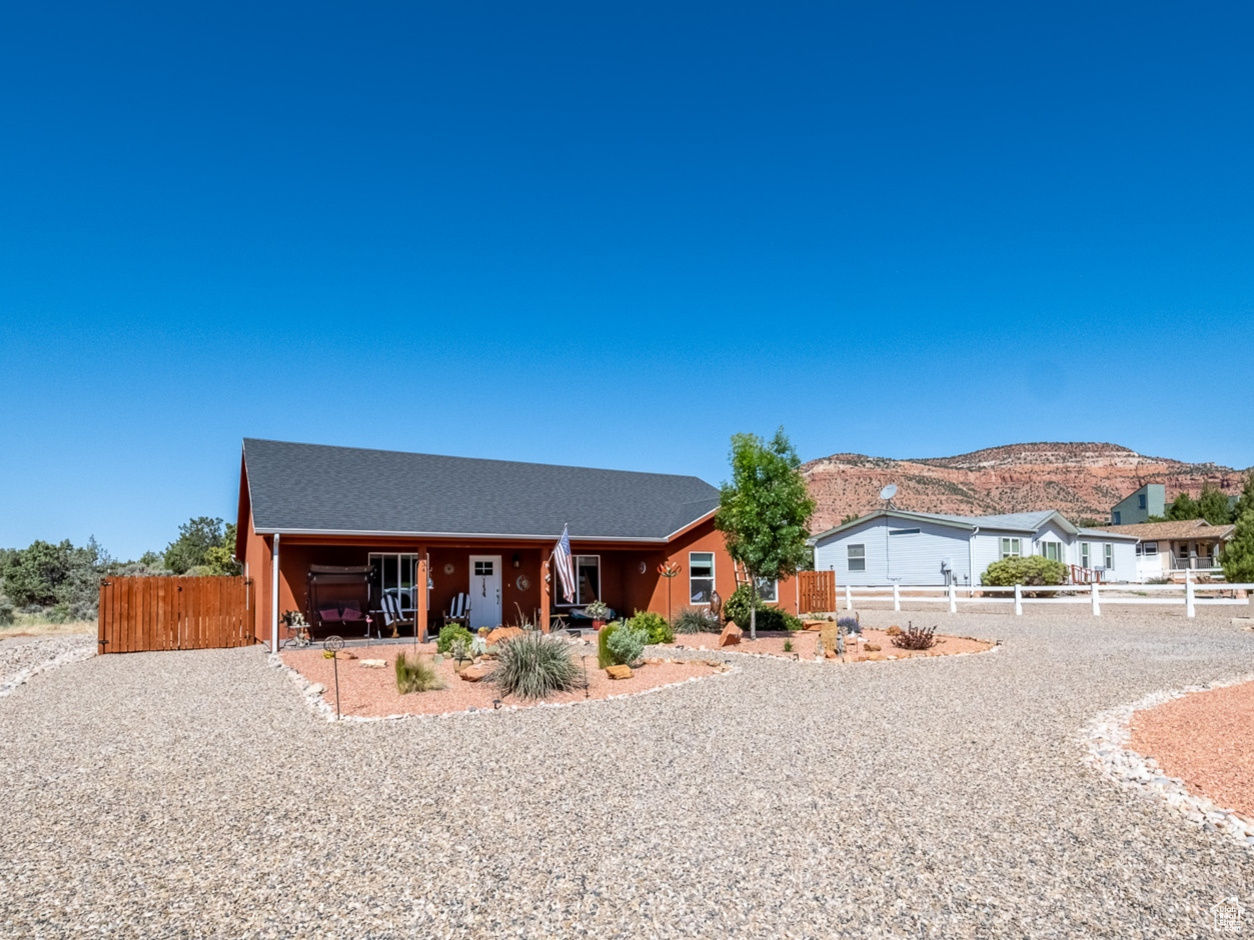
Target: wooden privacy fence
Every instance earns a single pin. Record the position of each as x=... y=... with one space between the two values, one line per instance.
x=172 y=613
x=816 y=591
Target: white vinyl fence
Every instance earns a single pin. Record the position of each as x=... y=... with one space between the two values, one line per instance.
x=1188 y=594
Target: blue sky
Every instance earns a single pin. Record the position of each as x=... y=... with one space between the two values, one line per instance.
x=609 y=235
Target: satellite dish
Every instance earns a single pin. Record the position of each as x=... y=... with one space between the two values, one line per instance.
x=888 y=492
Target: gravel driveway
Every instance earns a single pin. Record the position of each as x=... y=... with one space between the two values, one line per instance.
x=193 y=794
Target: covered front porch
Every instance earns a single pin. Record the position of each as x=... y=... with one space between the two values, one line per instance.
x=359 y=587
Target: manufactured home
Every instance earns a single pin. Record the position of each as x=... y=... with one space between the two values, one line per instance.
x=913 y=548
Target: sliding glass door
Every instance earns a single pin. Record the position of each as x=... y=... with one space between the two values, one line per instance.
x=393 y=574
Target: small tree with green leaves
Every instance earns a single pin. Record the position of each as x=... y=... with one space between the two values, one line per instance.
x=1238 y=555
x=1183 y=506
x=764 y=511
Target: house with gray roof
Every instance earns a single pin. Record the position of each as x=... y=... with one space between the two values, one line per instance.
x=916 y=548
x=339 y=534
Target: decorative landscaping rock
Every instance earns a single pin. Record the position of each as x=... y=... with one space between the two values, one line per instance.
x=374 y=664
x=730 y=636
x=813 y=624
x=618 y=672
x=501 y=634
x=894 y=630
x=477 y=672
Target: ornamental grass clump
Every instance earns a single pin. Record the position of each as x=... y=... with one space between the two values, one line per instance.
x=915 y=638
x=534 y=665
x=695 y=620
x=416 y=675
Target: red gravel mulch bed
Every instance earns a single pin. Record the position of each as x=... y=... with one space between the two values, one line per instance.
x=1207 y=740
x=803 y=645
x=372 y=692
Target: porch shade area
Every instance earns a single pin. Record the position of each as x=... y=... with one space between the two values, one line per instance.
x=501 y=584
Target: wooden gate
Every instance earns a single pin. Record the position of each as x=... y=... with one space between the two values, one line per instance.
x=172 y=613
x=816 y=591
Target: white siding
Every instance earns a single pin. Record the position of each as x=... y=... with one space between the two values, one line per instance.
x=987 y=548
x=1052 y=532
x=913 y=558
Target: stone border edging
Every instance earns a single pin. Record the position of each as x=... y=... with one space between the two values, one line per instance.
x=1106 y=741
x=314 y=695
x=796 y=658
x=10 y=685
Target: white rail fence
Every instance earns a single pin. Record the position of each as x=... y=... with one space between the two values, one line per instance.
x=1189 y=594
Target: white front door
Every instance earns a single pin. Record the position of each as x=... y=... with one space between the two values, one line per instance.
x=485 y=591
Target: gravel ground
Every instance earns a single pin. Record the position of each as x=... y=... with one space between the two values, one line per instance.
x=21 y=655
x=942 y=797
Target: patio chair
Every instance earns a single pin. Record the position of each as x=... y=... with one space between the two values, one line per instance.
x=392 y=616
x=459 y=611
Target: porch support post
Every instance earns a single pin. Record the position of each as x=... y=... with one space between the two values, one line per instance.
x=424 y=600
x=274 y=595
x=544 y=596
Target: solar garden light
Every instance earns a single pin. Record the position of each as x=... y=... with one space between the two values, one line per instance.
x=333 y=645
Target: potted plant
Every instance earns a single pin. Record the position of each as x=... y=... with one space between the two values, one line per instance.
x=599 y=611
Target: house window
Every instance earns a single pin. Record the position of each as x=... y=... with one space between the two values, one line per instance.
x=1052 y=550
x=1011 y=548
x=1108 y=551
x=1084 y=554
x=857 y=557
x=700 y=577
x=483 y=569
x=903 y=531
x=587 y=579
x=394 y=575
x=1114 y=517
x=1149 y=548
x=1140 y=501
x=768 y=590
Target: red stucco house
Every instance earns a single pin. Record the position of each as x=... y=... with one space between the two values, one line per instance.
x=485 y=528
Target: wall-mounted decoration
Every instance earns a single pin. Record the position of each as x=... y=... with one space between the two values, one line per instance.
x=449 y=568
x=642 y=567
x=523 y=582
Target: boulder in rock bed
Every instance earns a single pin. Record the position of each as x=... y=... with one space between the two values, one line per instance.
x=374 y=664
x=501 y=634
x=476 y=673
x=618 y=672
x=730 y=636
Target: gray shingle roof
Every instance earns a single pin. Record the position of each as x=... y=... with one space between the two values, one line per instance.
x=317 y=488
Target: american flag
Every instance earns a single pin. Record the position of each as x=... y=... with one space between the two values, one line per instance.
x=565 y=565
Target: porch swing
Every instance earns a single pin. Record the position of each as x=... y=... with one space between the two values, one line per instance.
x=339 y=597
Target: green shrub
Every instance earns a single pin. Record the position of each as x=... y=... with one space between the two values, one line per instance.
x=626 y=644
x=654 y=625
x=695 y=620
x=533 y=665
x=449 y=633
x=1034 y=569
x=769 y=617
x=416 y=675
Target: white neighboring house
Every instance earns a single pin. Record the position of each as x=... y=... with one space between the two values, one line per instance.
x=919 y=548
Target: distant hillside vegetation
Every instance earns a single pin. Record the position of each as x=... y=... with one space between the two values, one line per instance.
x=1081 y=480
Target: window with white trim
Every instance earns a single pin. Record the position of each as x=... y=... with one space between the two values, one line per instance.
x=1051 y=550
x=768 y=590
x=1084 y=554
x=1108 y=551
x=700 y=577
x=857 y=557
x=1011 y=548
